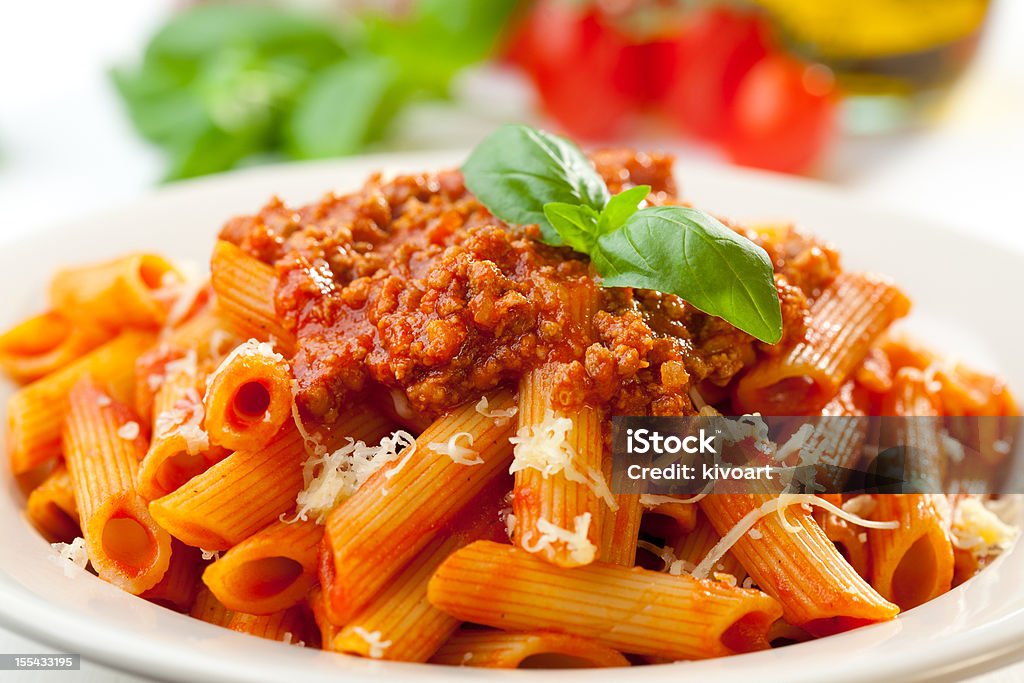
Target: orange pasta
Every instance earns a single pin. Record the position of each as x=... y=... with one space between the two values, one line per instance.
x=818 y=589
x=294 y=626
x=34 y=413
x=245 y=294
x=178 y=588
x=270 y=571
x=51 y=507
x=631 y=610
x=121 y=293
x=410 y=502
x=914 y=562
x=540 y=649
x=693 y=547
x=208 y=608
x=400 y=614
x=248 y=397
x=45 y=343
x=249 y=489
x=844 y=322
x=103 y=445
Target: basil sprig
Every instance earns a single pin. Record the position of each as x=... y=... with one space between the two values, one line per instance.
x=525 y=176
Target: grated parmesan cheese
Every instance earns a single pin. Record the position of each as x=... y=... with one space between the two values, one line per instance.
x=331 y=478
x=311 y=442
x=372 y=639
x=778 y=505
x=755 y=534
x=460 y=455
x=978 y=529
x=653 y=500
x=71 y=555
x=862 y=505
x=129 y=431
x=581 y=550
x=289 y=639
x=665 y=554
x=251 y=347
x=544 y=447
x=186 y=420
x=725 y=578
x=210 y=554
x=500 y=417
x=510 y=525
x=102 y=400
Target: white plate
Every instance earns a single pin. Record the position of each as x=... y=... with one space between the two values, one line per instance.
x=962 y=288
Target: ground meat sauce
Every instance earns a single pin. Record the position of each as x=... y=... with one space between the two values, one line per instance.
x=411 y=284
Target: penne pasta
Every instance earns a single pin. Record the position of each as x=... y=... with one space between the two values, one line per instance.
x=410 y=502
x=293 y=626
x=844 y=323
x=400 y=614
x=631 y=610
x=178 y=588
x=249 y=489
x=206 y=607
x=245 y=291
x=44 y=344
x=248 y=397
x=535 y=650
x=125 y=292
x=914 y=562
x=694 y=546
x=270 y=571
x=35 y=412
x=103 y=445
x=797 y=564
x=51 y=507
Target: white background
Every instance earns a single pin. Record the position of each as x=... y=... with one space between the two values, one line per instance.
x=66 y=149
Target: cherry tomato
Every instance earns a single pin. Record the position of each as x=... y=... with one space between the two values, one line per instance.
x=580 y=64
x=713 y=52
x=783 y=116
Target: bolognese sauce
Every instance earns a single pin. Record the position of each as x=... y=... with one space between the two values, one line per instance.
x=413 y=285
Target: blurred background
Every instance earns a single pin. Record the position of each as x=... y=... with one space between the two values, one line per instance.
x=916 y=103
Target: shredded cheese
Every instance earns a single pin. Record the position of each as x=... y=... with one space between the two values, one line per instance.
x=510 y=525
x=545 y=448
x=186 y=420
x=210 y=554
x=289 y=639
x=311 y=442
x=460 y=455
x=500 y=417
x=978 y=529
x=372 y=639
x=333 y=477
x=777 y=504
x=862 y=505
x=71 y=555
x=251 y=347
x=665 y=554
x=581 y=550
x=653 y=500
x=102 y=400
x=129 y=431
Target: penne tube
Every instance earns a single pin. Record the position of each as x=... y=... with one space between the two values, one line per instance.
x=179 y=585
x=914 y=562
x=916 y=427
x=549 y=504
x=179 y=447
x=44 y=344
x=693 y=547
x=208 y=608
x=35 y=412
x=293 y=626
x=270 y=571
x=850 y=541
x=245 y=290
x=844 y=323
x=102 y=447
x=116 y=294
x=621 y=528
x=631 y=610
x=400 y=614
x=248 y=397
x=411 y=501
x=532 y=650
x=249 y=489
x=799 y=566
x=51 y=507
x=318 y=604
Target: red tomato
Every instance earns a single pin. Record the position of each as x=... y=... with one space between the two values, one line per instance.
x=784 y=115
x=713 y=53
x=579 y=63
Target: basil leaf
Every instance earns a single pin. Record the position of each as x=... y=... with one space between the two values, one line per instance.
x=621 y=207
x=516 y=170
x=575 y=224
x=686 y=252
x=341 y=110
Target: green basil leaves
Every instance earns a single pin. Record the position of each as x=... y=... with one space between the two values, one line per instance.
x=526 y=176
